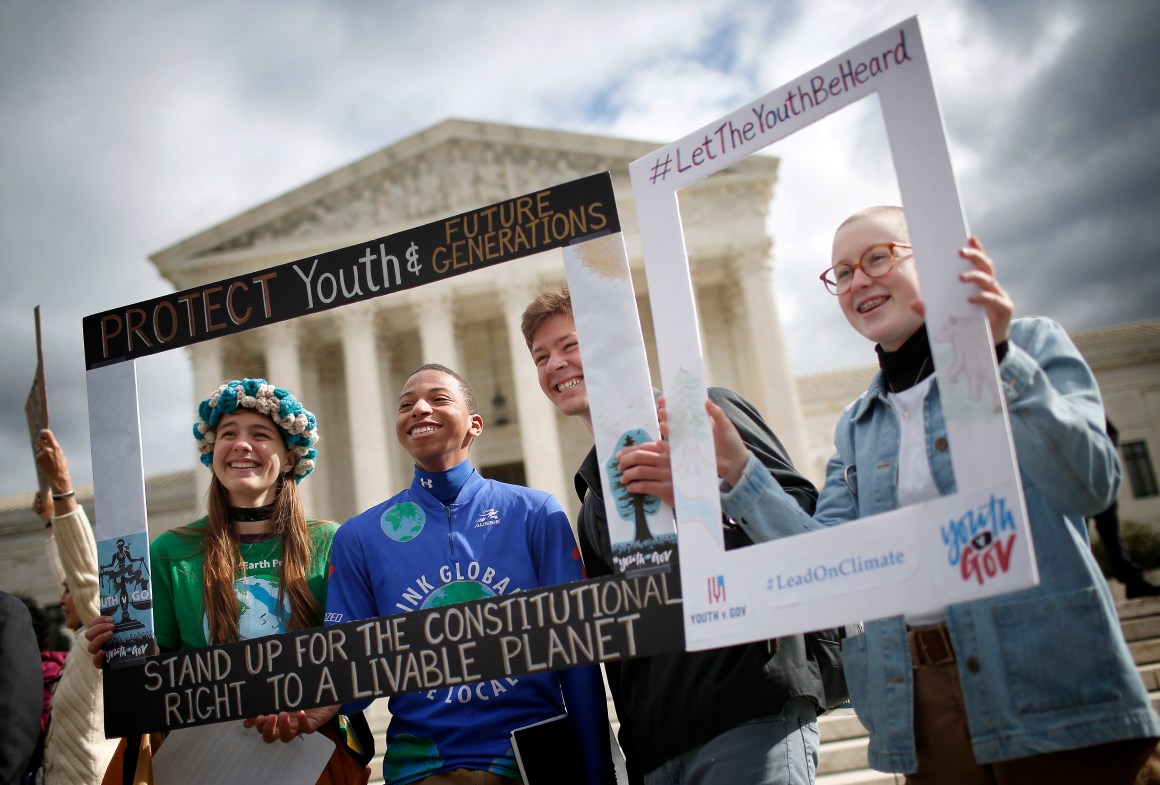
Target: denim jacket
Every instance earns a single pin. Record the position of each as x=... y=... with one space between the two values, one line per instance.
x=1043 y=669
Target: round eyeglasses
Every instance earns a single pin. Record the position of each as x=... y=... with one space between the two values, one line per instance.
x=876 y=261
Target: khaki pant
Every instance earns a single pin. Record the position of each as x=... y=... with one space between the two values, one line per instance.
x=945 y=756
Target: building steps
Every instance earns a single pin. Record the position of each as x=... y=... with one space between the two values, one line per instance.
x=844 y=739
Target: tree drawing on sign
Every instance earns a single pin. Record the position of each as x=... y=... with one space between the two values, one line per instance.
x=684 y=405
x=631 y=506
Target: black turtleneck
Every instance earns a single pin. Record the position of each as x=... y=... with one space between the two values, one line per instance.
x=909 y=365
x=912 y=363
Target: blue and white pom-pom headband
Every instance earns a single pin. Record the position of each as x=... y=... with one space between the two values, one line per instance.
x=298 y=426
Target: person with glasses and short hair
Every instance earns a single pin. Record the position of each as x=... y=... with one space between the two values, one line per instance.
x=875 y=262
x=1036 y=686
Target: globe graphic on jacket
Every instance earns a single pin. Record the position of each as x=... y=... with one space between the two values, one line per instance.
x=456 y=591
x=402 y=522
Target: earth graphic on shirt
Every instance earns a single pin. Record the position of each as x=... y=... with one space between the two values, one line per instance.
x=456 y=591
x=402 y=522
x=258 y=613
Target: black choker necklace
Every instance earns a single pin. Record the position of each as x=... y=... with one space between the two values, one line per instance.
x=251 y=514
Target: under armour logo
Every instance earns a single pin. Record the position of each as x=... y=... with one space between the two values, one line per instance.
x=427 y=483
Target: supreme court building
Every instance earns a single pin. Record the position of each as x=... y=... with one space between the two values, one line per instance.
x=348 y=364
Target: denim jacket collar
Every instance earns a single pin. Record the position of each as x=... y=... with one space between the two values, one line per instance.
x=876 y=391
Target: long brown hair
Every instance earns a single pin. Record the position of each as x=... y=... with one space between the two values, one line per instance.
x=223 y=562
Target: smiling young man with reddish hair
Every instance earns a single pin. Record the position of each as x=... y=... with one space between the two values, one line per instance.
x=453 y=536
x=740 y=714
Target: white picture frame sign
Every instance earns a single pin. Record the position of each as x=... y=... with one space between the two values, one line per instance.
x=813 y=580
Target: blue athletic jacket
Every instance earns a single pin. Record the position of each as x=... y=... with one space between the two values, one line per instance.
x=412 y=552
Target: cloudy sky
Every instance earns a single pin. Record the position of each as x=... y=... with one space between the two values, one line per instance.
x=127 y=126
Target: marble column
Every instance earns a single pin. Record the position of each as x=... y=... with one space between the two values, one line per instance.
x=539 y=436
x=435 y=314
x=283 y=358
x=207 y=375
x=284 y=369
x=777 y=395
x=367 y=415
x=707 y=301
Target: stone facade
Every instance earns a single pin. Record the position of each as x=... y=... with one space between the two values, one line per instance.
x=1126 y=360
x=347 y=364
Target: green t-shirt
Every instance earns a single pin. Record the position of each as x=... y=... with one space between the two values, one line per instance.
x=179 y=619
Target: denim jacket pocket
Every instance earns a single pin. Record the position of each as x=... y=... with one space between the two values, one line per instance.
x=856 y=666
x=1055 y=651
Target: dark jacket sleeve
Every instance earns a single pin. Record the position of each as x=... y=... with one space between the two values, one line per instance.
x=656 y=696
x=596 y=550
x=592 y=528
x=21 y=688
x=765 y=446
